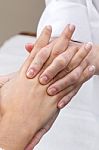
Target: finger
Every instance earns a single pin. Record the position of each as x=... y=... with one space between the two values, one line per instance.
x=80 y=56
x=65 y=82
x=58 y=64
x=61 y=44
x=42 y=41
x=63 y=41
x=39 y=60
x=44 y=38
x=35 y=67
x=29 y=47
x=67 y=98
x=63 y=93
x=66 y=71
x=87 y=74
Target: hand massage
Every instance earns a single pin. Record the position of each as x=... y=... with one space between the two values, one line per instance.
x=60 y=70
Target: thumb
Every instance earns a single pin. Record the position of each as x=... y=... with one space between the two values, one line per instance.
x=29 y=47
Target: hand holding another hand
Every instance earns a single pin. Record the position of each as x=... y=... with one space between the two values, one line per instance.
x=22 y=106
x=60 y=74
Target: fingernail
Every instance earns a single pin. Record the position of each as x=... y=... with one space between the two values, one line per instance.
x=92 y=69
x=43 y=79
x=71 y=27
x=30 y=73
x=52 y=91
x=61 y=105
x=88 y=45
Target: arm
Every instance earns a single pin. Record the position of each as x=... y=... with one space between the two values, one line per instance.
x=71 y=11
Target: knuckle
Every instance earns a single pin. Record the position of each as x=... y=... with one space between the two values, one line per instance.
x=43 y=54
x=56 y=51
x=61 y=61
x=40 y=43
x=49 y=74
x=74 y=77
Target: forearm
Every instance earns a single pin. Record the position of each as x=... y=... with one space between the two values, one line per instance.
x=14 y=135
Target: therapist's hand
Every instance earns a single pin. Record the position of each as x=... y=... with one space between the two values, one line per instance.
x=72 y=71
x=92 y=57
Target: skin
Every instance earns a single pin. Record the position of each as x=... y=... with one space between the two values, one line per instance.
x=88 y=72
x=10 y=107
x=92 y=57
x=30 y=97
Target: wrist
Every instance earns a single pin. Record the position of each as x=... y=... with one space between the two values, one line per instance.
x=14 y=134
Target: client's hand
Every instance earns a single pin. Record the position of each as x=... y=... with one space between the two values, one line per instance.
x=92 y=57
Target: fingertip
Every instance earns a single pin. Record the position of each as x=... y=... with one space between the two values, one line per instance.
x=52 y=91
x=68 y=31
x=92 y=69
x=88 y=46
x=29 y=47
x=30 y=73
x=43 y=79
x=72 y=27
x=61 y=105
x=48 y=29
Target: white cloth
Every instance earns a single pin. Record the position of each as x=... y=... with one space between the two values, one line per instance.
x=77 y=127
x=83 y=13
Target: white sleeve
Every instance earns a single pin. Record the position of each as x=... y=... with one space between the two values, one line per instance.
x=58 y=13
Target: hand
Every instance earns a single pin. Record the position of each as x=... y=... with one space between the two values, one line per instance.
x=49 y=124
x=36 y=139
x=66 y=35
x=24 y=99
x=74 y=78
x=66 y=99
x=92 y=57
